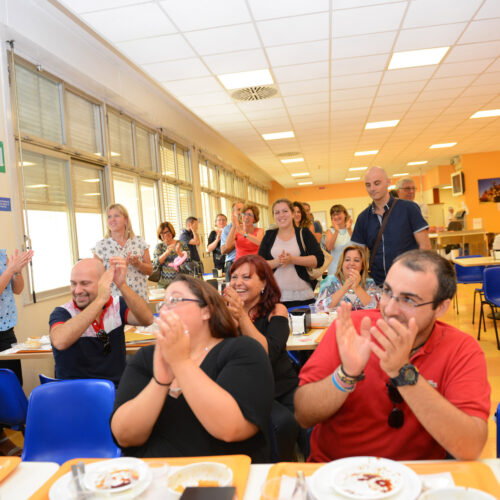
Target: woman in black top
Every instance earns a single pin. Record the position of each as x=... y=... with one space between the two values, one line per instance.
x=253 y=299
x=214 y=242
x=202 y=390
x=289 y=251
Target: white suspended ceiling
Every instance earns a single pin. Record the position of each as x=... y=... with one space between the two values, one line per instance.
x=329 y=61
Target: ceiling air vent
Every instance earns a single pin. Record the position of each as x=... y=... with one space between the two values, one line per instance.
x=254 y=93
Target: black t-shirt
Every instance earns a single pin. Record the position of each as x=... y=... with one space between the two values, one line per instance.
x=219 y=258
x=276 y=332
x=186 y=236
x=240 y=366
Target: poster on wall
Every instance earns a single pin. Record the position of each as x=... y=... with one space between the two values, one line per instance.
x=489 y=190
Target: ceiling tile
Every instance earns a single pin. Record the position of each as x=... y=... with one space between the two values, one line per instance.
x=363 y=45
x=206 y=14
x=489 y=78
x=356 y=93
x=350 y=81
x=81 y=6
x=299 y=53
x=322 y=116
x=435 y=94
x=473 y=51
x=156 y=49
x=225 y=39
x=309 y=108
x=387 y=100
x=462 y=68
x=408 y=74
x=426 y=38
x=450 y=82
x=218 y=109
x=129 y=23
x=357 y=65
x=430 y=12
x=317 y=97
x=294 y=29
x=206 y=99
x=234 y=62
x=351 y=105
x=349 y=4
x=265 y=104
x=495 y=66
x=193 y=86
x=482 y=31
x=365 y=20
x=266 y=114
x=264 y=9
x=298 y=72
x=490 y=9
x=401 y=88
x=177 y=70
x=305 y=87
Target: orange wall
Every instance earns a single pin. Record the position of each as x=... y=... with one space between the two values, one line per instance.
x=481 y=166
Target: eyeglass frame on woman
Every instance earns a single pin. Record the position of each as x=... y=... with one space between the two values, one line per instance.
x=103 y=336
x=173 y=301
x=403 y=302
x=396 y=417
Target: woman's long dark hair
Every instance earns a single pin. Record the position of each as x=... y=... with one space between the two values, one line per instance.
x=271 y=294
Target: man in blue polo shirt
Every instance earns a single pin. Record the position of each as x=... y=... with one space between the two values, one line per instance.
x=87 y=334
x=229 y=250
x=406 y=229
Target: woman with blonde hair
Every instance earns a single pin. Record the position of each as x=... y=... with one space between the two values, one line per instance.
x=120 y=241
x=338 y=235
x=350 y=283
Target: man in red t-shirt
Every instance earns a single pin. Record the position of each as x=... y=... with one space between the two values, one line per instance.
x=398 y=383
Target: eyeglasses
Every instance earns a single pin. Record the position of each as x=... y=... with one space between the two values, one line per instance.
x=409 y=189
x=404 y=302
x=165 y=232
x=396 y=418
x=248 y=214
x=173 y=301
x=103 y=336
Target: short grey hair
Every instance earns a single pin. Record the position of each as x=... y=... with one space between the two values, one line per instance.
x=403 y=181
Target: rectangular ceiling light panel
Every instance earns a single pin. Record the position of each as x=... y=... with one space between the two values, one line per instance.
x=413 y=58
x=385 y=124
x=246 y=79
x=279 y=135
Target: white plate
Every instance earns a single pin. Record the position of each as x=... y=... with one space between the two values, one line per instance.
x=322 y=479
x=63 y=488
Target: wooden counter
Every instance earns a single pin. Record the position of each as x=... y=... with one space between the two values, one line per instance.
x=476 y=239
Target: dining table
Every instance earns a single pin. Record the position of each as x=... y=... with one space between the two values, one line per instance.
x=476 y=261
x=33 y=480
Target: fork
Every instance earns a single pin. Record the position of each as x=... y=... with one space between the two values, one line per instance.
x=77 y=471
x=300 y=491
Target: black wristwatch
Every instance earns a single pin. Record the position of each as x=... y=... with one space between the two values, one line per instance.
x=408 y=375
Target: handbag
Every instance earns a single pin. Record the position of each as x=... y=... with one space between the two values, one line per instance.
x=315 y=273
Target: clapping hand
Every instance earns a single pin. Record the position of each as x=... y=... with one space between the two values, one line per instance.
x=394 y=343
x=354 y=348
x=119 y=266
x=19 y=260
x=285 y=258
x=353 y=279
x=172 y=338
x=349 y=224
x=104 y=284
x=133 y=260
x=234 y=303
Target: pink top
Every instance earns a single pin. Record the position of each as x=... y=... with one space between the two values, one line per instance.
x=244 y=246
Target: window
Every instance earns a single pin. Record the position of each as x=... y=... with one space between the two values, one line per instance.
x=210 y=209
x=40 y=107
x=150 y=213
x=145 y=145
x=120 y=138
x=84 y=124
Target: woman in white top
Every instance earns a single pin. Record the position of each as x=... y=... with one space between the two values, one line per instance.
x=121 y=241
x=289 y=251
x=338 y=236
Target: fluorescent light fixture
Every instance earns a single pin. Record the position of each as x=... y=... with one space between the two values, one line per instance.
x=413 y=58
x=91 y=180
x=392 y=186
x=354 y=169
x=114 y=154
x=486 y=113
x=401 y=175
x=36 y=186
x=27 y=164
x=366 y=153
x=410 y=163
x=92 y=194
x=292 y=160
x=246 y=79
x=278 y=135
x=443 y=145
x=304 y=183
x=446 y=187
x=300 y=174
x=352 y=178
x=386 y=124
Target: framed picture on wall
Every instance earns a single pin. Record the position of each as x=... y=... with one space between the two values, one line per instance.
x=489 y=190
x=321 y=217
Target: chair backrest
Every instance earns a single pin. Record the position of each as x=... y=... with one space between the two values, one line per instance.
x=471 y=274
x=13 y=402
x=455 y=225
x=491 y=284
x=68 y=420
x=46 y=380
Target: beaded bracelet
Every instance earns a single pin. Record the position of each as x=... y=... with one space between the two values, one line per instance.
x=349 y=379
x=342 y=386
x=159 y=383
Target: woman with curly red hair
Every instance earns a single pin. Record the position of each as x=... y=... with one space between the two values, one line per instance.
x=253 y=299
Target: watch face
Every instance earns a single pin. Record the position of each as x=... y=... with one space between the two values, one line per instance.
x=410 y=375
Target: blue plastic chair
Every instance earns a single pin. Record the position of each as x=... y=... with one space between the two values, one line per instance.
x=491 y=289
x=68 y=420
x=497 y=419
x=46 y=380
x=467 y=275
x=13 y=402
